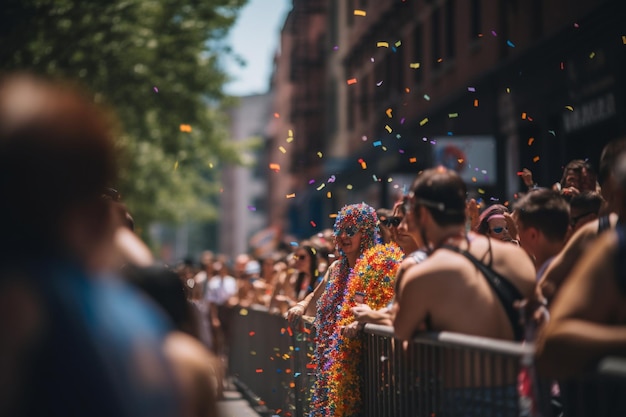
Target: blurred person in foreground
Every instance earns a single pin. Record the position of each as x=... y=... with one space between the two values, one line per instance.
x=470 y=282
x=86 y=344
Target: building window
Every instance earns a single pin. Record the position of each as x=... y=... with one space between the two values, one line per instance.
x=450 y=29
x=476 y=16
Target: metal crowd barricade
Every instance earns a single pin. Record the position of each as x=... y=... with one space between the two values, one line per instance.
x=437 y=374
x=440 y=374
x=271 y=362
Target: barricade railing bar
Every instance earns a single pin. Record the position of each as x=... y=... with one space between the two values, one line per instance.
x=436 y=374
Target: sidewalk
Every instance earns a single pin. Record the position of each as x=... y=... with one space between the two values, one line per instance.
x=234 y=405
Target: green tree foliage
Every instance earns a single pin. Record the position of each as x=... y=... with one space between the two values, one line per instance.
x=157 y=64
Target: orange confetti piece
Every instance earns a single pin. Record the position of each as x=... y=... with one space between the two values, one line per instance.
x=351 y=81
x=311 y=366
x=475 y=102
x=624 y=39
x=388 y=112
x=524 y=116
x=289 y=331
x=252 y=333
x=292 y=384
x=185 y=128
x=474 y=179
x=460 y=160
x=275 y=167
x=329 y=195
x=536 y=158
x=360 y=13
x=292 y=195
x=413 y=160
x=530 y=141
x=276 y=115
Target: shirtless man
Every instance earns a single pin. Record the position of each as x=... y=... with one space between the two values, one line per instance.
x=446 y=291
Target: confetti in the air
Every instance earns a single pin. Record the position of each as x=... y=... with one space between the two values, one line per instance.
x=363 y=163
x=275 y=167
x=426 y=97
x=475 y=102
x=471 y=89
x=349 y=186
x=536 y=158
x=378 y=84
x=251 y=208
x=388 y=128
x=320 y=154
x=185 y=128
x=332 y=179
x=320 y=187
x=414 y=65
x=453 y=115
x=377 y=143
x=511 y=44
x=292 y=195
x=156 y=90
x=360 y=13
x=313 y=223
x=413 y=160
x=424 y=121
x=175 y=165
x=282 y=149
x=592 y=55
x=382 y=44
x=351 y=81
x=570 y=108
x=530 y=141
x=388 y=112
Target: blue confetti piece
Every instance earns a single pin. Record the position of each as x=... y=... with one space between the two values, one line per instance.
x=511 y=44
x=293 y=243
x=377 y=143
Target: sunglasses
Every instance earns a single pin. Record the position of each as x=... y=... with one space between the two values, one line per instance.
x=350 y=231
x=299 y=257
x=391 y=221
x=498 y=230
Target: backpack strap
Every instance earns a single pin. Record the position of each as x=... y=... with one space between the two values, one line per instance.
x=507 y=293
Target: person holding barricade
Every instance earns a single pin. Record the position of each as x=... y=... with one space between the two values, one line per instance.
x=355 y=230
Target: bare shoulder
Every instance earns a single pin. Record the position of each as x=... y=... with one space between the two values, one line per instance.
x=425 y=273
x=187 y=351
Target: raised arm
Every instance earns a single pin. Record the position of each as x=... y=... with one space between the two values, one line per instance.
x=586 y=316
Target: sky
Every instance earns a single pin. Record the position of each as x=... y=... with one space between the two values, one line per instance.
x=255 y=37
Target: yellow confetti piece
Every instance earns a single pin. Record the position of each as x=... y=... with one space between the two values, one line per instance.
x=349 y=187
x=351 y=81
x=290 y=139
x=389 y=179
x=243 y=312
x=481 y=191
x=388 y=112
x=475 y=102
x=388 y=128
x=414 y=65
x=570 y=108
x=333 y=215
x=453 y=115
x=424 y=121
x=319 y=154
x=290 y=132
x=592 y=55
x=508 y=90
x=185 y=128
x=292 y=195
x=360 y=13
x=398 y=43
x=364 y=165
x=282 y=149
x=460 y=160
x=524 y=116
x=211 y=165
x=536 y=158
x=382 y=44
x=329 y=195
x=413 y=160
x=175 y=165
x=321 y=186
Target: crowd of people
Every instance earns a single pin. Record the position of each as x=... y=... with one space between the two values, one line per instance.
x=92 y=326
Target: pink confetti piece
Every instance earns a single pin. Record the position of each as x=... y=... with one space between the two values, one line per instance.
x=156 y=90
